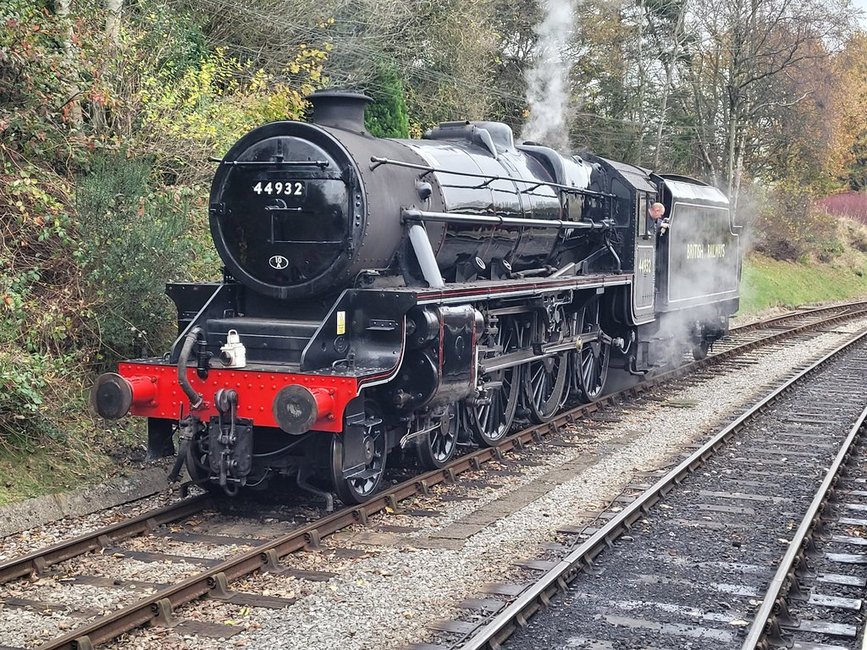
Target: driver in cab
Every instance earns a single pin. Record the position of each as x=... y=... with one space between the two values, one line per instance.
x=656 y=212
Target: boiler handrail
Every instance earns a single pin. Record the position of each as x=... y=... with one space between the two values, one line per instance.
x=414 y=214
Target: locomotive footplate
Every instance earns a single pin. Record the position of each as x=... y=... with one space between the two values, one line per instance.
x=230 y=442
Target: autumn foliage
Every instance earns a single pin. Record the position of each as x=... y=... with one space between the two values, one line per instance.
x=105 y=140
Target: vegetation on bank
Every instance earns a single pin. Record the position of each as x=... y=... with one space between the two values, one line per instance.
x=832 y=272
x=770 y=283
x=35 y=468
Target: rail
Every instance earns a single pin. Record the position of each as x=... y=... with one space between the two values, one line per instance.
x=40 y=560
x=773 y=603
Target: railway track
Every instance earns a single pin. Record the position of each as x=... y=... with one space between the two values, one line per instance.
x=688 y=561
x=794 y=609
x=266 y=553
x=39 y=561
x=814 y=319
x=805 y=313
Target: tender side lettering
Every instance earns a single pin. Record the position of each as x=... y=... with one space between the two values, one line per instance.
x=705 y=251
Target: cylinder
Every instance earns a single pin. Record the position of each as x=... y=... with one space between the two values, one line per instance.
x=144 y=390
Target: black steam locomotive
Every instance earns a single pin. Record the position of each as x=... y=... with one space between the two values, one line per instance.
x=417 y=294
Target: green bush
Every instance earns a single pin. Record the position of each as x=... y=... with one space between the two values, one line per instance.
x=34 y=394
x=387 y=116
x=133 y=241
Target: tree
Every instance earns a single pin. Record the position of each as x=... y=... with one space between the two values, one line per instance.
x=666 y=31
x=604 y=80
x=849 y=105
x=113 y=10
x=61 y=9
x=386 y=117
x=513 y=55
x=737 y=50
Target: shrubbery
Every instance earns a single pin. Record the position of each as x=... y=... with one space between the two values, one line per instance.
x=105 y=143
x=387 y=117
x=786 y=224
x=133 y=238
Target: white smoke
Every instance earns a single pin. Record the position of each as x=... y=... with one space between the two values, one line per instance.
x=547 y=81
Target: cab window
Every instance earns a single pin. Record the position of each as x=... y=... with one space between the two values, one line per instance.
x=622 y=202
x=643 y=221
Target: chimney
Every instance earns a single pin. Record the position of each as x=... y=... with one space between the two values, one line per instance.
x=340 y=109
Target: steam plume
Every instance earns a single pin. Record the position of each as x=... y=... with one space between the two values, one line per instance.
x=547 y=87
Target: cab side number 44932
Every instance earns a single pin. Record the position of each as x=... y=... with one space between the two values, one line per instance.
x=279 y=188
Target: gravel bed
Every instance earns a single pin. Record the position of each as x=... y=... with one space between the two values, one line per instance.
x=63 y=594
x=24 y=628
x=387 y=599
x=35 y=538
x=157 y=544
x=123 y=568
x=75 y=604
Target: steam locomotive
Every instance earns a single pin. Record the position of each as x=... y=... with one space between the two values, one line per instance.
x=382 y=295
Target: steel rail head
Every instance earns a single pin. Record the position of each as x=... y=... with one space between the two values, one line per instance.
x=257 y=558
x=64 y=550
x=494 y=632
x=807 y=312
x=781 y=581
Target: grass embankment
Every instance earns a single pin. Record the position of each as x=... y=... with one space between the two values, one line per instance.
x=76 y=452
x=82 y=451
x=36 y=469
x=770 y=283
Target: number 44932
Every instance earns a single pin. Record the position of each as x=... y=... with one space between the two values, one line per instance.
x=280 y=188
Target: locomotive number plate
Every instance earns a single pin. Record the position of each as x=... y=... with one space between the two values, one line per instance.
x=280 y=188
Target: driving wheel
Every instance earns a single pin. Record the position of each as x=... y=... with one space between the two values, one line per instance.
x=490 y=416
